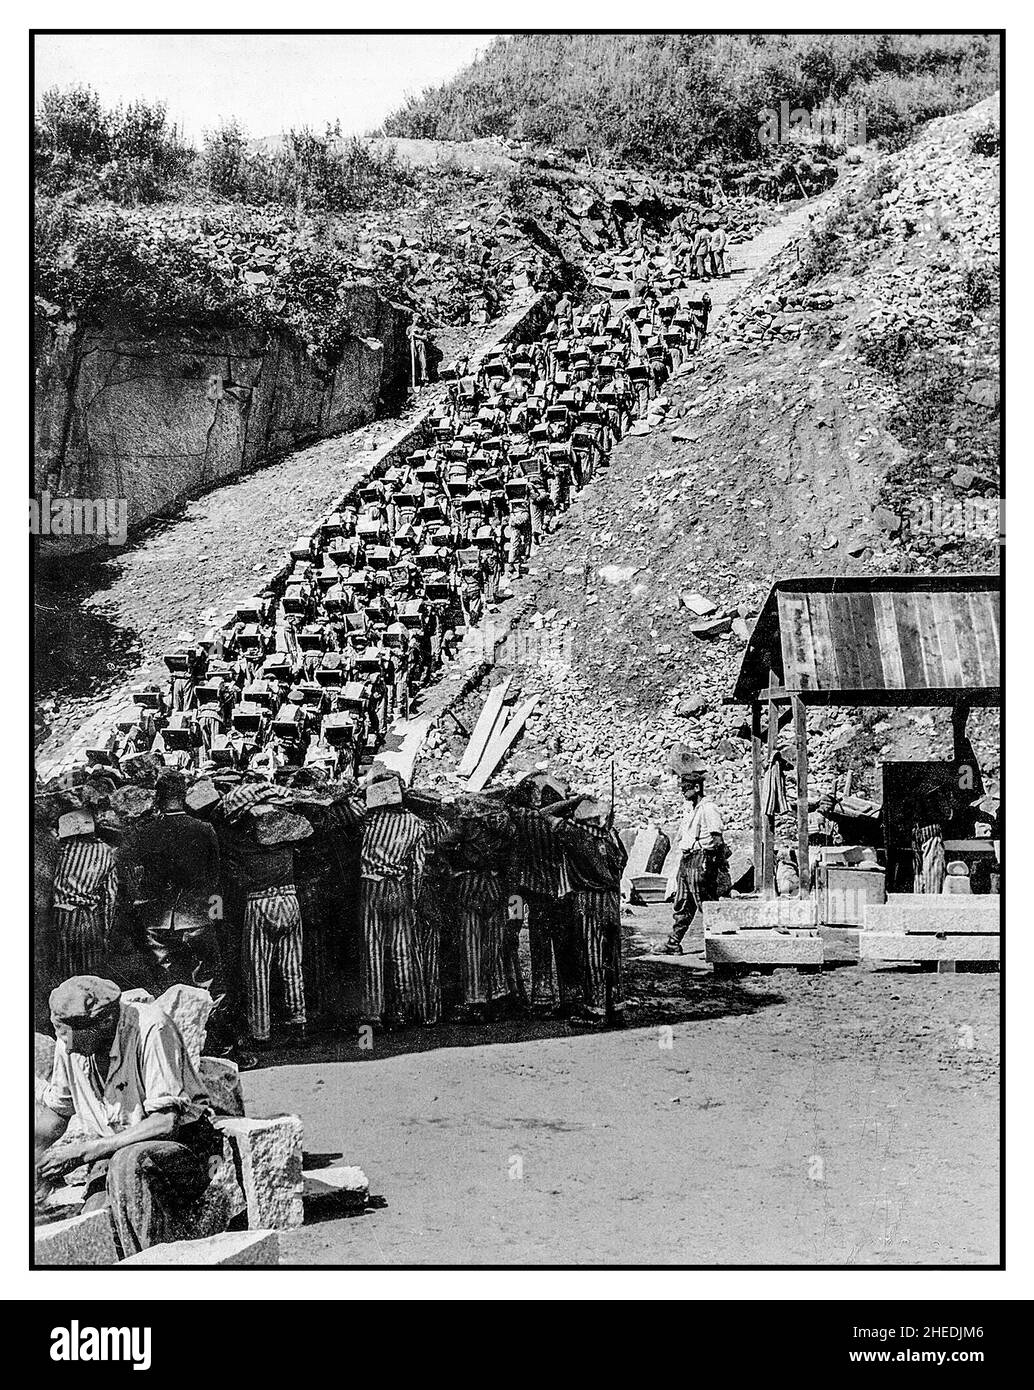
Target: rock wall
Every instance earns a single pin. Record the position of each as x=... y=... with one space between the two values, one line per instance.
x=155 y=420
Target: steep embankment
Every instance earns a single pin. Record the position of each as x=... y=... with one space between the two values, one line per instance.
x=841 y=402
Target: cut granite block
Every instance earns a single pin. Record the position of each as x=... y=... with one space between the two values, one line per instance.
x=222 y=1080
x=269 y=1158
x=889 y=947
x=228 y=1248
x=762 y=948
x=737 y=914
x=88 y=1239
x=927 y=914
x=189 y=1009
x=337 y=1186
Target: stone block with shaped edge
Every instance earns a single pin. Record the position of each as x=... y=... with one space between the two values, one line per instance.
x=228 y=1248
x=87 y=1239
x=267 y=1154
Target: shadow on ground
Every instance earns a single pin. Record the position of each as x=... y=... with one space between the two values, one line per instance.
x=79 y=651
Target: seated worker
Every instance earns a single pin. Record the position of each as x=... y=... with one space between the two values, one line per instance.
x=122 y=1069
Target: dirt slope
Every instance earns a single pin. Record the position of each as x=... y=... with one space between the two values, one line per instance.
x=811 y=437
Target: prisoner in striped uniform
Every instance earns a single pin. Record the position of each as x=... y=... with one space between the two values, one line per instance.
x=394 y=851
x=928 y=858
x=537 y=870
x=85 y=893
x=272 y=931
x=475 y=852
x=597 y=857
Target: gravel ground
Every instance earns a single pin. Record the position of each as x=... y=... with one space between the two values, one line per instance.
x=845 y=1118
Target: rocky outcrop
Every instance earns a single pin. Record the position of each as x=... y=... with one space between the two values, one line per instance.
x=155 y=420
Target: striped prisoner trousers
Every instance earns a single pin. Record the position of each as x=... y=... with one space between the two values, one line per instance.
x=273 y=938
x=480 y=904
x=429 y=933
x=598 y=917
x=394 y=986
x=928 y=858
x=80 y=941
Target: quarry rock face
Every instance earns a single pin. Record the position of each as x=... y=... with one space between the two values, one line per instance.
x=156 y=420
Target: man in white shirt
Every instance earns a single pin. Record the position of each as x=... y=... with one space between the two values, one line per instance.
x=704 y=854
x=122 y=1069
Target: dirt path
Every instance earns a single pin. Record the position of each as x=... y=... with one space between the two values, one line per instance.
x=848 y=1118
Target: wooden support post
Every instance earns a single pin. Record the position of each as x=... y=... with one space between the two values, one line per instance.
x=758 y=773
x=800 y=728
x=768 y=874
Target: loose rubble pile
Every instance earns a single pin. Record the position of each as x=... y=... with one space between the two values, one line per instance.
x=773 y=460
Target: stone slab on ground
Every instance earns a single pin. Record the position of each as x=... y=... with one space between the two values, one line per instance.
x=897 y=946
x=762 y=948
x=87 y=1239
x=650 y=848
x=269 y=1157
x=917 y=917
x=341 y=1184
x=229 y=1248
x=944 y=901
x=736 y=914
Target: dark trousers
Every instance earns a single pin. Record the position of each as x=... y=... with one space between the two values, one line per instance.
x=551 y=944
x=192 y=956
x=153 y=1190
x=702 y=877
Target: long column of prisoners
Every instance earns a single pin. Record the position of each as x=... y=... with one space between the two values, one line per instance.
x=334 y=645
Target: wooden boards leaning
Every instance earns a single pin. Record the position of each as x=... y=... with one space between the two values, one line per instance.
x=486 y=724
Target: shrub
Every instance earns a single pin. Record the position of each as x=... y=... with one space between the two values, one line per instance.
x=667 y=98
x=986 y=139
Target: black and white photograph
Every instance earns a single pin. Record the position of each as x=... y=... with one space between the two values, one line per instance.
x=515 y=530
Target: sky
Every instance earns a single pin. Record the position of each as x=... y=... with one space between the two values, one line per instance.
x=268 y=82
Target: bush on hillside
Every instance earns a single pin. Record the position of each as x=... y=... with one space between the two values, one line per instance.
x=129 y=155
x=667 y=99
x=193 y=268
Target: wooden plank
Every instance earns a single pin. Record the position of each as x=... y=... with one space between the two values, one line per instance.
x=946 y=609
x=500 y=743
x=985 y=630
x=757 y=772
x=965 y=635
x=768 y=846
x=827 y=671
x=930 y=641
x=800 y=724
x=887 y=637
x=908 y=639
x=867 y=647
x=795 y=635
x=841 y=624
x=484 y=728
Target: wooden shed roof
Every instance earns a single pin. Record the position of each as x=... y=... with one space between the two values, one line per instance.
x=878 y=640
